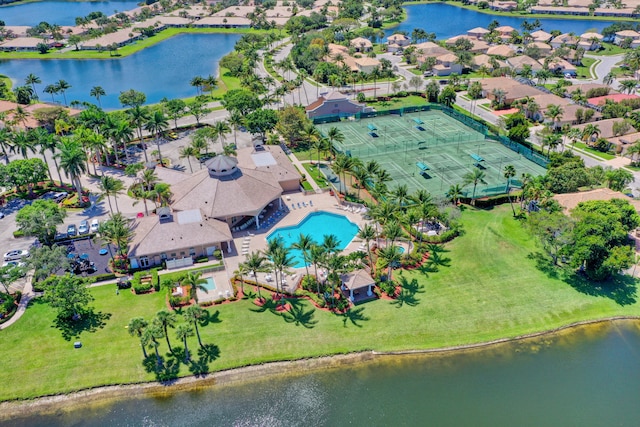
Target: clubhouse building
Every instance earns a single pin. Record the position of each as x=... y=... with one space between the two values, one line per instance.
x=230 y=194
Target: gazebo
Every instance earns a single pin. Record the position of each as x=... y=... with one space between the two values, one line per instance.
x=359 y=284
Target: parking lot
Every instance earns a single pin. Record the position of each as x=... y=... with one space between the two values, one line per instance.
x=89 y=250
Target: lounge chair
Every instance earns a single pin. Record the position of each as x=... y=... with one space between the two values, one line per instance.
x=299 y=205
x=293 y=206
x=310 y=202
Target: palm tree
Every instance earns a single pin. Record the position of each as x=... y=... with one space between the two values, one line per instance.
x=137 y=327
x=475 y=177
x=317 y=256
x=32 y=79
x=97 y=92
x=361 y=175
x=235 y=120
x=62 y=87
x=392 y=230
x=51 y=90
x=156 y=124
x=167 y=320
x=111 y=186
x=187 y=152
x=195 y=282
x=22 y=143
x=221 y=128
x=138 y=116
x=182 y=333
x=510 y=172
x=368 y=233
x=590 y=133
x=148 y=179
x=554 y=112
x=72 y=162
x=608 y=79
x=151 y=335
x=330 y=243
x=304 y=244
x=255 y=263
x=391 y=256
x=117 y=231
x=194 y=314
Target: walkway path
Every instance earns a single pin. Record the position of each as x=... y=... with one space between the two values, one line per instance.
x=300 y=167
x=27 y=295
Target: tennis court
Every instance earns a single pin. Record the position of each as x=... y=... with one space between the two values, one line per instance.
x=430 y=150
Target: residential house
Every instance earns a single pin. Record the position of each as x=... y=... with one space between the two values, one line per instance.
x=559 y=65
x=397 y=42
x=543 y=48
x=512 y=89
x=477 y=46
x=361 y=44
x=590 y=41
x=478 y=32
x=623 y=35
x=24 y=44
x=517 y=63
x=501 y=50
x=503 y=6
x=565 y=39
x=447 y=64
x=505 y=32
x=541 y=36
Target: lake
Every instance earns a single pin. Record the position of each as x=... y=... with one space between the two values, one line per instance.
x=60 y=12
x=588 y=377
x=447 y=21
x=162 y=70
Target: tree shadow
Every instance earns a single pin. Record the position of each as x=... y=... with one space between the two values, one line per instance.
x=90 y=321
x=408 y=293
x=269 y=305
x=298 y=316
x=354 y=315
x=620 y=288
x=210 y=318
x=166 y=371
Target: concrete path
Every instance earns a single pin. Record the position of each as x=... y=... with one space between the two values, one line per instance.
x=300 y=167
x=27 y=295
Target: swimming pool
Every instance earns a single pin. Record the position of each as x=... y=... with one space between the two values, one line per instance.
x=401 y=249
x=210 y=285
x=316 y=225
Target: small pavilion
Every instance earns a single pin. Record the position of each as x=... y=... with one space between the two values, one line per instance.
x=358 y=284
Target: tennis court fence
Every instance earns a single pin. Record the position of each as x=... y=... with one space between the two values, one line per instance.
x=526 y=152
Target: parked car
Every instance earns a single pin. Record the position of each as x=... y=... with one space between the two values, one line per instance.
x=16 y=255
x=71 y=231
x=1 y=215
x=83 y=228
x=13 y=263
x=95 y=224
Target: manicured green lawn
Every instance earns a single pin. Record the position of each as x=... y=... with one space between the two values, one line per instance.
x=610 y=49
x=313 y=172
x=393 y=103
x=584 y=70
x=485 y=287
x=594 y=152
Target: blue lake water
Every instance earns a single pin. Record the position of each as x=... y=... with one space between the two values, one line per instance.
x=447 y=21
x=589 y=377
x=60 y=12
x=163 y=70
x=316 y=226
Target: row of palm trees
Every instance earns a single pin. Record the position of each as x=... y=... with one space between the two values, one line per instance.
x=150 y=333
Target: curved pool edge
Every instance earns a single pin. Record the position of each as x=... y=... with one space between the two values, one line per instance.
x=102 y=394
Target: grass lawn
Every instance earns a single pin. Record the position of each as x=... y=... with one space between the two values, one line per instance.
x=584 y=70
x=313 y=172
x=485 y=286
x=594 y=152
x=610 y=49
x=393 y=103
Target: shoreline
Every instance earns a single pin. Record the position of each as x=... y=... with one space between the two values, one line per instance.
x=103 y=394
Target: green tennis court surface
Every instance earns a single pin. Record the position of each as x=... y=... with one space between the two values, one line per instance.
x=400 y=143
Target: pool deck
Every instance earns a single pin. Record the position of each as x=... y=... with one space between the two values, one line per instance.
x=223 y=287
x=255 y=240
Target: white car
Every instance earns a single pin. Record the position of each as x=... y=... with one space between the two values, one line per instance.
x=13 y=263
x=95 y=224
x=83 y=228
x=16 y=255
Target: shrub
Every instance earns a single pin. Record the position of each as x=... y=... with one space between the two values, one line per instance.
x=388 y=288
x=312 y=296
x=18 y=233
x=141 y=288
x=101 y=277
x=202 y=259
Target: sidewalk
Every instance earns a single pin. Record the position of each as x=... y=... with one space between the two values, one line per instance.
x=27 y=296
x=302 y=170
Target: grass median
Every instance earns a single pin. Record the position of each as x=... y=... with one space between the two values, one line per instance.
x=484 y=286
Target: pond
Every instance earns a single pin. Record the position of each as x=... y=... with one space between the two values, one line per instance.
x=447 y=21
x=588 y=377
x=60 y=12
x=162 y=70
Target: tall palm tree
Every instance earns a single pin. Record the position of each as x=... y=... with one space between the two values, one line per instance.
x=256 y=263
x=42 y=139
x=5 y=143
x=182 y=333
x=304 y=244
x=62 y=87
x=156 y=124
x=32 y=80
x=138 y=116
x=167 y=320
x=554 y=112
x=148 y=179
x=51 y=90
x=235 y=120
x=151 y=335
x=111 y=186
x=475 y=177
x=194 y=314
x=195 y=281
x=368 y=233
x=22 y=143
x=117 y=231
x=187 y=152
x=282 y=260
x=136 y=328
x=97 y=92
x=361 y=175
x=510 y=172
x=72 y=162
x=221 y=128
x=391 y=256
x=317 y=258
